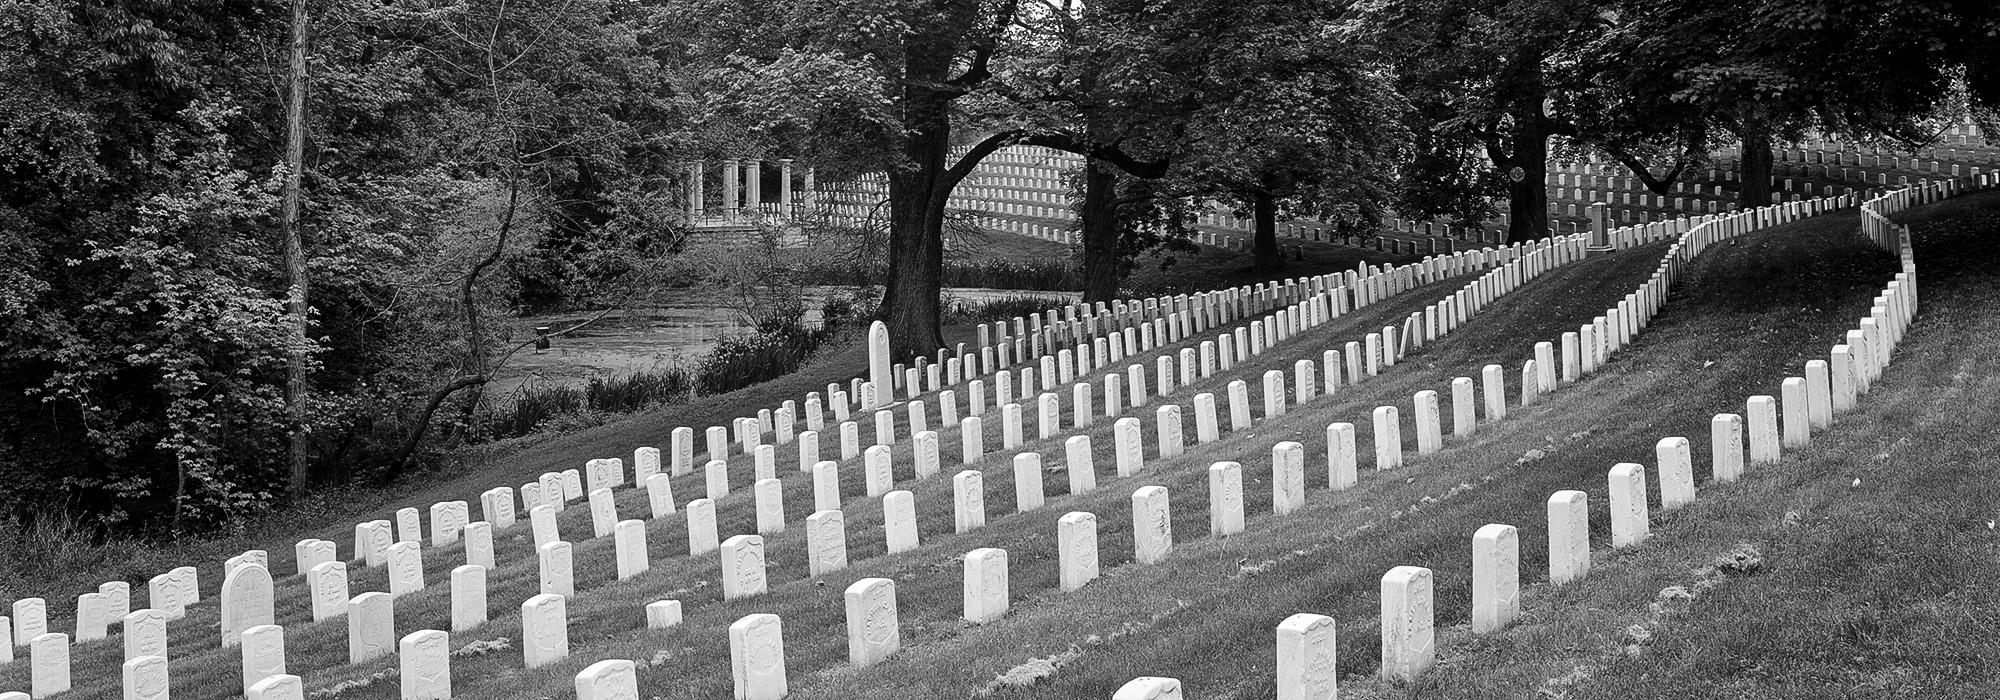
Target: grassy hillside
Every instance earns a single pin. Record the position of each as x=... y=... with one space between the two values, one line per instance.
x=1875 y=572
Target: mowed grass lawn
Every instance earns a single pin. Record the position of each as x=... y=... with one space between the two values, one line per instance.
x=1880 y=563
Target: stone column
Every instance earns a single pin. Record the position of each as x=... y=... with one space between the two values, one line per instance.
x=1600 y=241
x=731 y=175
x=811 y=188
x=785 y=187
x=694 y=191
x=753 y=184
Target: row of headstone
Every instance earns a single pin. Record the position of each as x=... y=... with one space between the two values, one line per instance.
x=404 y=556
x=398 y=547
x=1408 y=637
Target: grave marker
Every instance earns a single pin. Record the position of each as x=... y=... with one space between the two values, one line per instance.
x=1225 y=499
x=1076 y=537
x=703 y=537
x=826 y=542
x=1676 y=472
x=1152 y=525
x=1274 y=393
x=660 y=495
x=558 y=568
x=1726 y=447
x=468 y=597
x=310 y=553
x=1168 y=424
x=328 y=585
x=371 y=626
x=743 y=567
x=48 y=661
x=1388 y=438
x=406 y=568
x=1340 y=462
x=1408 y=634
x=765 y=461
x=89 y=617
x=716 y=479
x=279 y=687
x=757 y=657
x=1028 y=488
x=1430 y=432
x=1496 y=577
x=255 y=556
x=409 y=526
x=145 y=678
x=610 y=679
x=826 y=486
x=145 y=634
x=1150 y=688
x=985 y=585
x=542 y=522
x=1569 y=536
x=1494 y=388
x=246 y=602
x=169 y=593
x=1078 y=462
x=968 y=500
x=544 y=630
x=1763 y=424
x=1125 y=439
x=1080 y=405
x=645 y=463
x=1306 y=662
x=872 y=631
x=662 y=614
x=1629 y=523
x=630 y=543
x=878 y=472
x=426 y=665
x=925 y=445
x=899 y=521
x=1798 y=422
x=682 y=458
x=972 y=444
x=1288 y=477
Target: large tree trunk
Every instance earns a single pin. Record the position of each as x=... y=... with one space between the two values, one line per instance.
x=1528 y=183
x=1755 y=173
x=1264 y=245
x=1101 y=276
x=296 y=388
x=910 y=304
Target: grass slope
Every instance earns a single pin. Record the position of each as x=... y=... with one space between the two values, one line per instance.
x=1877 y=575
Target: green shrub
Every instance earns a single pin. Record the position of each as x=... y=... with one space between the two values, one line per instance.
x=772 y=351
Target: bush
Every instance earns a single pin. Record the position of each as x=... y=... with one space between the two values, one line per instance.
x=638 y=390
x=772 y=351
x=533 y=404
